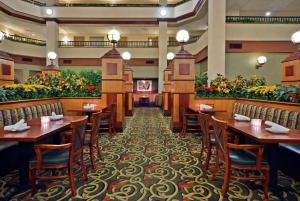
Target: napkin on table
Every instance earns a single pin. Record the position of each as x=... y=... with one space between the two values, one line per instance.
x=205 y=107
x=239 y=117
x=56 y=116
x=19 y=126
x=276 y=128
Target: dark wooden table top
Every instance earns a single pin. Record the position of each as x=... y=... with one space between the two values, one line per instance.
x=40 y=128
x=210 y=111
x=96 y=109
x=259 y=134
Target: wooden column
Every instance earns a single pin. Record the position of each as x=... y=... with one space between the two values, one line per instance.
x=113 y=85
x=167 y=90
x=7 y=69
x=182 y=86
x=291 y=69
x=128 y=77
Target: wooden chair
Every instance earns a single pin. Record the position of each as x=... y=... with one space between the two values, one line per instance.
x=208 y=139
x=238 y=157
x=190 y=122
x=92 y=137
x=51 y=157
x=108 y=120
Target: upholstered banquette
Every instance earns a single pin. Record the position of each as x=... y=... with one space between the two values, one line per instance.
x=11 y=116
x=287 y=118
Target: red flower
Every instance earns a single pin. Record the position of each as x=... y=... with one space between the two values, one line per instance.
x=293 y=96
x=90 y=88
x=298 y=91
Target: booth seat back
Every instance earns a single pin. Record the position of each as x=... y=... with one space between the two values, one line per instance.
x=287 y=118
x=11 y=116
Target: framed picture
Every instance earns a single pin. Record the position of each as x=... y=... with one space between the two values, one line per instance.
x=144 y=85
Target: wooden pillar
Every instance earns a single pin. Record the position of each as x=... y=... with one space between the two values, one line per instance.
x=167 y=90
x=291 y=69
x=113 y=85
x=128 y=77
x=182 y=86
x=7 y=69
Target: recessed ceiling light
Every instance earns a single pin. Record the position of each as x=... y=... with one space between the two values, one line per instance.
x=163 y=12
x=268 y=14
x=49 y=11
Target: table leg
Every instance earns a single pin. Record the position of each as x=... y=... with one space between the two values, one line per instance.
x=271 y=151
x=25 y=150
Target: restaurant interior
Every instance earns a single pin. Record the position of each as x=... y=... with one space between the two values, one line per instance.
x=150 y=100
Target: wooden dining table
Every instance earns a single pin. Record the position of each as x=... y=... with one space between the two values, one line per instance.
x=40 y=129
x=270 y=140
x=207 y=111
x=88 y=112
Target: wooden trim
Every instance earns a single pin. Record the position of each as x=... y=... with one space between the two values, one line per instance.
x=262 y=46
x=40 y=61
x=201 y=55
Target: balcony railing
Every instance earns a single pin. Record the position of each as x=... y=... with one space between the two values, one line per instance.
x=192 y=39
x=38 y=3
x=107 y=44
x=262 y=20
x=120 y=44
x=22 y=39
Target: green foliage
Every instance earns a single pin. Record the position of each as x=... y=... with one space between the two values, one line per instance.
x=86 y=83
x=201 y=79
x=253 y=88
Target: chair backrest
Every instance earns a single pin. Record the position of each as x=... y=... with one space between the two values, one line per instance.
x=78 y=134
x=221 y=136
x=204 y=122
x=96 y=121
x=113 y=112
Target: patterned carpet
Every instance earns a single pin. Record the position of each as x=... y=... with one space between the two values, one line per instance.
x=148 y=162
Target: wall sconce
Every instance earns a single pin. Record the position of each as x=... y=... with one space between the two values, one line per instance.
x=261 y=60
x=2 y=36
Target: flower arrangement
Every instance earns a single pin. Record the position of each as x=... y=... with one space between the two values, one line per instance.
x=70 y=83
x=255 y=88
x=25 y=91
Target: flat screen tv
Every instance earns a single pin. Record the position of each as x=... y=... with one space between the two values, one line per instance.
x=144 y=85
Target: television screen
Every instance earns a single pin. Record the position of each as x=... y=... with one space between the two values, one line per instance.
x=144 y=85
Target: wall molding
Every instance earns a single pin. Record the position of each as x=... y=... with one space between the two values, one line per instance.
x=201 y=55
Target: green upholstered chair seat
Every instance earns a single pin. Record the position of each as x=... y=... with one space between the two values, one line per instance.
x=104 y=120
x=291 y=147
x=192 y=120
x=54 y=157
x=243 y=158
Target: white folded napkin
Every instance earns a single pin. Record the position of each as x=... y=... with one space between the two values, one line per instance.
x=276 y=128
x=87 y=106
x=56 y=116
x=239 y=117
x=19 y=126
x=205 y=107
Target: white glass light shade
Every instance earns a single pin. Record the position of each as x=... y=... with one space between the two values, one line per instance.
x=296 y=37
x=126 y=56
x=49 y=11
x=261 y=60
x=170 y=56
x=113 y=35
x=163 y=12
x=51 y=55
x=1 y=36
x=182 y=36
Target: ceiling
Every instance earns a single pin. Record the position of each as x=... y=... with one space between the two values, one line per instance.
x=119 y=1
x=259 y=7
